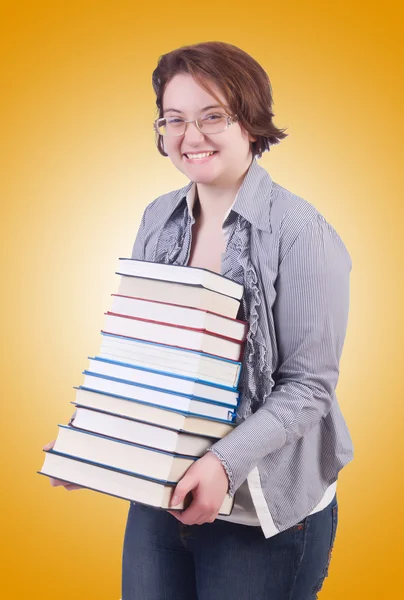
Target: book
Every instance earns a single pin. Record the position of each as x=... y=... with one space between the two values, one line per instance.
x=151 y=395
x=150 y=377
x=121 y=454
x=181 y=274
x=181 y=316
x=148 y=409
x=122 y=484
x=178 y=293
x=182 y=337
x=172 y=360
x=136 y=432
x=153 y=414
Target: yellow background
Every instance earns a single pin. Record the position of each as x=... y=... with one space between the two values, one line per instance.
x=78 y=167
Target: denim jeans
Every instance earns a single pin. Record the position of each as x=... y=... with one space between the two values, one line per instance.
x=166 y=560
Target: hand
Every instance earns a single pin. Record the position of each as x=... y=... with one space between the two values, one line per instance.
x=208 y=481
x=56 y=482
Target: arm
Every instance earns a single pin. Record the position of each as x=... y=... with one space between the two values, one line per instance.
x=310 y=315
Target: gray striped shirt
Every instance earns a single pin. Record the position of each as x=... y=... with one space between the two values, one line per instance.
x=291 y=439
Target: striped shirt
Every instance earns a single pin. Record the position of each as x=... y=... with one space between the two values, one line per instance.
x=244 y=512
x=291 y=439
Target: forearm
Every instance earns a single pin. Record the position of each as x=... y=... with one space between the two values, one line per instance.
x=270 y=427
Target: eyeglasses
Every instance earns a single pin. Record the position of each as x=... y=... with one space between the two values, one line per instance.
x=211 y=124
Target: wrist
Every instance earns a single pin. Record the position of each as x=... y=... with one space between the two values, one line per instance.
x=226 y=469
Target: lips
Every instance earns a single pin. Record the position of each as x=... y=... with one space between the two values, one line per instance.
x=198 y=160
x=199 y=152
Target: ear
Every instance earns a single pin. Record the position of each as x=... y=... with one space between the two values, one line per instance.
x=251 y=138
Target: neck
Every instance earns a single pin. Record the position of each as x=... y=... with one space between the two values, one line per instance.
x=213 y=201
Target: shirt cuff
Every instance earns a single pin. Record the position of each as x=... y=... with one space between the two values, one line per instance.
x=243 y=448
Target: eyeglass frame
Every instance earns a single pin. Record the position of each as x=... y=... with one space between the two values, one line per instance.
x=229 y=122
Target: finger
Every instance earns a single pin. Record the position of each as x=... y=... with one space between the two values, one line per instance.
x=57 y=482
x=208 y=519
x=176 y=514
x=179 y=516
x=193 y=514
x=183 y=487
x=199 y=511
x=191 y=520
x=49 y=446
x=72 y=486
x=61 y=482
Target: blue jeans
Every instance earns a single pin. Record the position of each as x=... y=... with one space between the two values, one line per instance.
x=166 y=560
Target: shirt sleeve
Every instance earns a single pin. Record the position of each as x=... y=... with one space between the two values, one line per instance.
x=138 y=250
x=310 y=315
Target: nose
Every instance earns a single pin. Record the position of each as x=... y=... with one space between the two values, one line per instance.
x=192 y=134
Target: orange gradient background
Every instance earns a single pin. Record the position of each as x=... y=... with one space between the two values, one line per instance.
x=79 y=165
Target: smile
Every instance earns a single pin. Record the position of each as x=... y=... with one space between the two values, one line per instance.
x=199 y=156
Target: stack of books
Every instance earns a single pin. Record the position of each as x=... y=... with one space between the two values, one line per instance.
x=163 y=388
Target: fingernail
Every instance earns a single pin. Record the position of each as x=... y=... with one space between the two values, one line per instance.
x=174 y=501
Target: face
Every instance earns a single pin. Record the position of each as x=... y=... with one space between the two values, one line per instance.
x=232 y=156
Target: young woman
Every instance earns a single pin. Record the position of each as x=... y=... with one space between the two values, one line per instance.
x=282 y=459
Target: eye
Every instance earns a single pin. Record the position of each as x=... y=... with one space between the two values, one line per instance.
x=174 y=120
x=213 y=117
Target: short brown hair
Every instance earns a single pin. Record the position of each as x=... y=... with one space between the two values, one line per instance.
x=243 y=82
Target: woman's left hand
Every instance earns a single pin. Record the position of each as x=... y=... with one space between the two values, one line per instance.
x=208 y=482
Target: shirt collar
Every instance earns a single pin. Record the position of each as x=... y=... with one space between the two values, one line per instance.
x=190 y=200
x=253 y=200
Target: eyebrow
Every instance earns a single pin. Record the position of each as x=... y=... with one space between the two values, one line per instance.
x=180 y=111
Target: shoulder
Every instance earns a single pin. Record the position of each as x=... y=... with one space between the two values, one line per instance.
x=294 y=218
x=157 y=217
x=290 y=213
x=163 y=206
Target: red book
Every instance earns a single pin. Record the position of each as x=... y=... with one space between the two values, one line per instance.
x=180 y=315
x=161 y=332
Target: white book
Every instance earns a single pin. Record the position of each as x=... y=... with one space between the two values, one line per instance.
x=178 y=293
x=181 y=274
x=120 y=454
x=177 y=361
x=114 y=482
x=136 y=432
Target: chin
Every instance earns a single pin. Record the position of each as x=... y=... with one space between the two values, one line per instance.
x=209 y=176
x=205 y=180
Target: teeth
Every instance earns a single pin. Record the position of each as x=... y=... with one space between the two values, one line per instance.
x=200 y=155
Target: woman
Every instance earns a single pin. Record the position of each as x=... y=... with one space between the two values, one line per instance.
x=282 y=460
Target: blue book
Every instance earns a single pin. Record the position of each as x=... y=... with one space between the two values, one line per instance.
x=154 y=414
x=185 y=386
x=156 y=396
